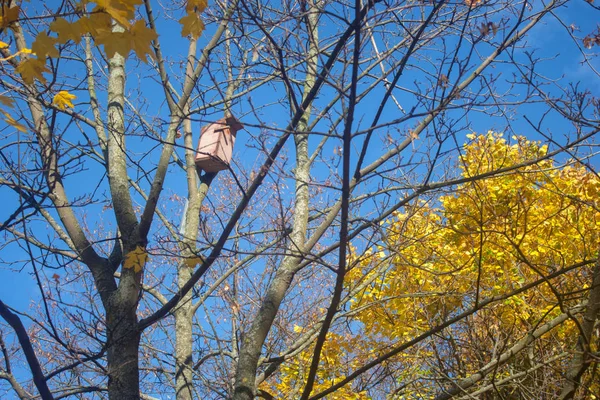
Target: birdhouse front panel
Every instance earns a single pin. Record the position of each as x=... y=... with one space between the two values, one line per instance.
x=215 y=147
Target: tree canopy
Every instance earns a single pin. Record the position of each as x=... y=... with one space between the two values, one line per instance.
x=410 y=211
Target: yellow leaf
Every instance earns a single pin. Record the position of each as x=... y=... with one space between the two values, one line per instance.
x=120 y=10
x=62 y=100
x=136 y=259
x=141 y=39
x=32 y=69
x=3 y=45
x=11 y=121
x=97 y=25
x=44 y=46
x=8 y=15
x=196 y=5
x=115 y=43
x=191 y=25
x=193 y=261
x=7 y=101
x=66 y=30
x=138 y=39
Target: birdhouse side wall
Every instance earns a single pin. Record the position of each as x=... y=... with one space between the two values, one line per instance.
x=215 y=148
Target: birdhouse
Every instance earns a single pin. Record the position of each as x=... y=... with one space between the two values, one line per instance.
x=216 y=144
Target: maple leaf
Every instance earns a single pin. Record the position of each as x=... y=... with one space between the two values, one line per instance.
x=136 y=259
x=192 y=261
x=141 y=38
x=66 y=30
x=32 y=69
x=120 y=10
x=137 y=39
x=62 y=100
x=191 y=25
x=196 y=5
x=44 y=46
x=97 y=25
x=8 y=15
x=115 y=42
x=12 y=122
x=7 y=101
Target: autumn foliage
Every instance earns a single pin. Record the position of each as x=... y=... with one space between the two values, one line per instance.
x=359 y=245
x=487 y=239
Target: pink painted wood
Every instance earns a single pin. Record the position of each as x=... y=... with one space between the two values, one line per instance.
x=215 y=146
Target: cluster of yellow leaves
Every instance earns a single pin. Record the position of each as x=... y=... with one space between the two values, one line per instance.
x=134 y=36
x=63 y=99
x=192 y=25
x=8 y=15
x=489 y=237
x=8 y=102
x=336 y=362
x=136 y=259
x=97 y=21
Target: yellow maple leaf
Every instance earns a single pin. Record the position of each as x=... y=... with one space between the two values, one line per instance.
x=191 y=25
x=141 y=39
x=44 y=46
x=192 y=261
x=62 y=100
x=8 y=15
x=196 y=5
x=66 y=30
x=32 y=69
x=114 y=42
x=138 y=39
x=11 y=121
x=120 y=10
x=97 y=25
x=136 y=259
x=7 y=101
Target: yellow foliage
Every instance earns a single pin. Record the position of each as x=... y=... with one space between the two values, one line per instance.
x=489 y=237
x=7 y=101
x=62 y=100
x=44 y=46
x=8 y=15
x=191 y=262
x=196 y=5
x=66 y=30
x=11 y=121
x=138 y=39
x=192 y=25
x=121 y=11
x=336 y=362
x=31 y=69
x=136 y=259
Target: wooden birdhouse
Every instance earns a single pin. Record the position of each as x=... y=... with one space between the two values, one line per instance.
x=216 y=144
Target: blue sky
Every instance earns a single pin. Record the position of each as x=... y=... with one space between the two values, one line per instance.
x=551 y=41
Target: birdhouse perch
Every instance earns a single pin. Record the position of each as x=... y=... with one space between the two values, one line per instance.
x=215 y=146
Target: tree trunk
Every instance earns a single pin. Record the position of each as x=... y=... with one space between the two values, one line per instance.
x=582 y=358
x=123 y=341
x=183 y=341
